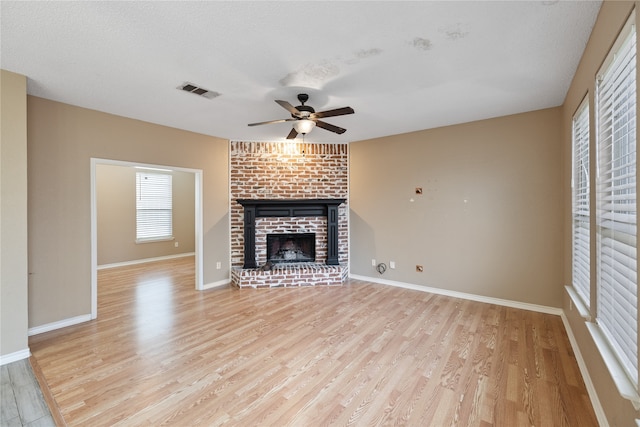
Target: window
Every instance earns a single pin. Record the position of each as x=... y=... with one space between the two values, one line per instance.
x=580 y=203
x=616 y=221
x=154 y=204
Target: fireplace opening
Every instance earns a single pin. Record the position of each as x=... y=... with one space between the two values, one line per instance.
x=291 y=247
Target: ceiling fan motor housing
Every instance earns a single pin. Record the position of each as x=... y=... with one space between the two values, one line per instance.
x=305 y=111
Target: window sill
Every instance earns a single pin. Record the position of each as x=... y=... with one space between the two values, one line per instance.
x=155 y=239
x=577 y=302
x=625 y=386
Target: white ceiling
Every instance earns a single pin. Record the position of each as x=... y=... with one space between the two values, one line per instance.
x=403 y=66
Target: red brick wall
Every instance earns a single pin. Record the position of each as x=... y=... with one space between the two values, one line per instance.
x=288 y=170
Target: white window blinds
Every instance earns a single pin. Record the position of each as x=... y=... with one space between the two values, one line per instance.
x=580 y=206
x=616 y=203
x=154 y=206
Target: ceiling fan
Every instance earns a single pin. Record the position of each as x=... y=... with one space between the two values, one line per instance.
x=305 y=117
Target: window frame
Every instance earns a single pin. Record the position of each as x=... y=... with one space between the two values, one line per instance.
x=580 y=196
x=610 y=218
x=160 y=201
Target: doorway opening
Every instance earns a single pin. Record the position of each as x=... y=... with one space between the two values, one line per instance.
x=197 y=239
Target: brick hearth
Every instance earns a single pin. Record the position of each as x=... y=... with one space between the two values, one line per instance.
x=289 y=275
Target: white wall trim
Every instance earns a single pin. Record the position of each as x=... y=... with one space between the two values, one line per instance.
x=199 y=243
x=218 y=284
x=144 y=261
x=15 y=356
x=577 y=302
x=591 y=390
x=59 y=324
x=479 y=298
x=625 y=386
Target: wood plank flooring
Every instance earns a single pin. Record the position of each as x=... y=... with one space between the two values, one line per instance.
x=161 y=353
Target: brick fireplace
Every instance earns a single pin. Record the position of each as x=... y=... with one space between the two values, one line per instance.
x=268 y=174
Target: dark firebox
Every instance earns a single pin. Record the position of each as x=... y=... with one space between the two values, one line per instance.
x=291 y=247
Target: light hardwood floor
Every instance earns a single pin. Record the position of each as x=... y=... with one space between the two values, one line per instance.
x=359 y=354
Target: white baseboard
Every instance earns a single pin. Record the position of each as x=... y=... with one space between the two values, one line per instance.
x=591 y=390
x=479 y=298
x=5 y=359
x=218 y=284
x=143 y=261
x=59 y=324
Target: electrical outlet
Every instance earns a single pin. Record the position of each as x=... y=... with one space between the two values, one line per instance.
x=392 y=264
x=373 y=262
x=218 y=265
x=419 y=268
x=176 y=244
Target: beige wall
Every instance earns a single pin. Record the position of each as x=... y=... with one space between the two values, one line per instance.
x=62 y=140
x=13 y=215
x=116 y=216
x=489 y=221
x=611 y=18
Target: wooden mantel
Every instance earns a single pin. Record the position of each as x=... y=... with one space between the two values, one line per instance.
x=256 y=208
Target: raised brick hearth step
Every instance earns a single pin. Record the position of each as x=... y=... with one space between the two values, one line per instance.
x=289 y=275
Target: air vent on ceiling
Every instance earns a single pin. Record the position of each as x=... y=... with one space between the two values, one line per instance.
x=189 y=87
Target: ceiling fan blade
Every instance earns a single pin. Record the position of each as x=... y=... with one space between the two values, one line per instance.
x=290 y=108
x=332 y=113
x=271 y=121
x=292 y=134
x=330 y=127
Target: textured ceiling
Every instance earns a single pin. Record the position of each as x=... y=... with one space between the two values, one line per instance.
x=403 y=66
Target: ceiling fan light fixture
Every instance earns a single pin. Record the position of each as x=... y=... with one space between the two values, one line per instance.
x=304 y=126
x=305 y=118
